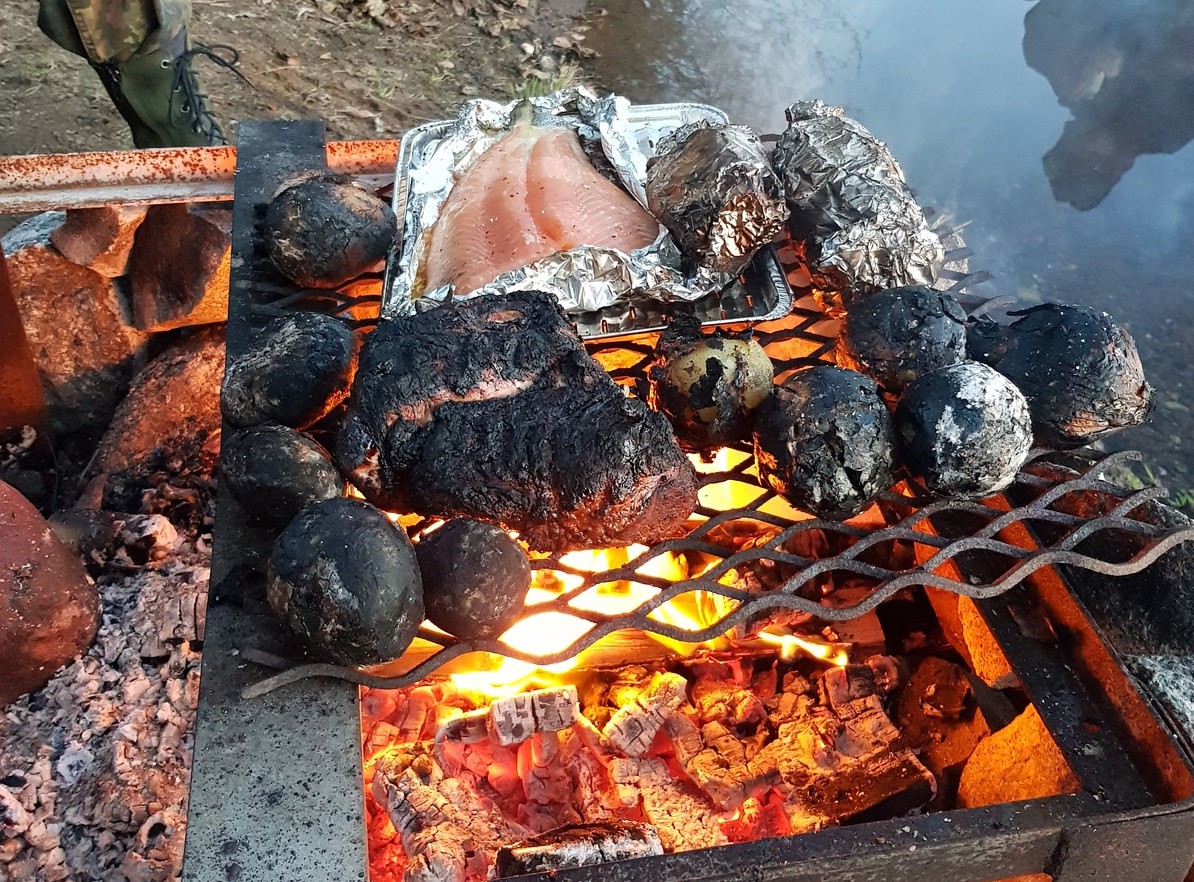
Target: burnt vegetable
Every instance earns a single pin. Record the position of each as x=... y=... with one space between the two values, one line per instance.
x=299 y=368
x=322 y=230
x=823 y=441
x=708 y=386
x=345 y=582
x=897 y=335
x=274 y=471
x=964 y=431
x=1078 y=369
x=475 y=578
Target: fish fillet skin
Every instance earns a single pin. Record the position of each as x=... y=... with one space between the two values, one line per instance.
x=530 y=195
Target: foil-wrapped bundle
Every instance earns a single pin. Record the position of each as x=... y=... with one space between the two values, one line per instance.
x=862 y=228
x=715 y=191
x=584 y=278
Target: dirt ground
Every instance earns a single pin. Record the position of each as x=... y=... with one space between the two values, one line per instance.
x=368 y=68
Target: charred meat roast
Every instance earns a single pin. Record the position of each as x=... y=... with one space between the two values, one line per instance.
x=493 y=409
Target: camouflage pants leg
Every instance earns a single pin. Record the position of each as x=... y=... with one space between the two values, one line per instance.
x=112 y=30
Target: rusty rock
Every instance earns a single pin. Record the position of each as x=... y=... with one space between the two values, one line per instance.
x=49 y=607
x=99 y=238
x=1018 y=762
x=179 y=267
x=78 y=326
x=165 y=432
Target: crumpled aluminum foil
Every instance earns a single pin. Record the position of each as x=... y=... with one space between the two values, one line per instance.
x=715 y=191
x=850 y=204
x=583 y=279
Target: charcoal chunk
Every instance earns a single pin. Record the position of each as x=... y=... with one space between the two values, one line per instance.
x=1079 y=370
x=345 y=582
x=297 y=371
x=274 y=471
x=964 y=431
x=475 y=578
x=492 y=409
x=823 y=441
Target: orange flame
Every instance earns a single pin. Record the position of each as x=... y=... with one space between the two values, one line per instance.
x=790 y=645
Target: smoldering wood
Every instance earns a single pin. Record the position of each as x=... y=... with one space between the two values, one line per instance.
x=681 y=814
x=446 y=828
x=518 y=717
x=633 y=727
x=578 y=845
x=468 y=728
x=546 y=784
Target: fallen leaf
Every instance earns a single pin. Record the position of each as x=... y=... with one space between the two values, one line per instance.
x=562 y=43
x=359 y=113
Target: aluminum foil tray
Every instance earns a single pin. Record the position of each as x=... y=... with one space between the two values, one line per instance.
x=761 y=294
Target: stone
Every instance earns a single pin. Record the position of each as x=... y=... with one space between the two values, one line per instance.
x=940 y=718
x=78 y=326
x=966 y=631
x=1020 y=761
x=99 y=238
x=179 y=266
x=170 y=422
x=49 y=607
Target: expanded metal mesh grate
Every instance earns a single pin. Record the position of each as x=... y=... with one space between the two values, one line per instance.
x=748 y=554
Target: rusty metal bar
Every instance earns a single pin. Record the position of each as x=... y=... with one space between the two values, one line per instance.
x=141 y=177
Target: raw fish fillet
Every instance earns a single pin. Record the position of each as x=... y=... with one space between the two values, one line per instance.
x=530 y=195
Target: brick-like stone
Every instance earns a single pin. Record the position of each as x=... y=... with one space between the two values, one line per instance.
x=99 y=238
x=179 y=267
x=1020 y=761
x=49 y=607
x=172 y=412
x=78 y=326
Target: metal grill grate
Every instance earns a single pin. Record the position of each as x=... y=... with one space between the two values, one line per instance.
x=750 y=553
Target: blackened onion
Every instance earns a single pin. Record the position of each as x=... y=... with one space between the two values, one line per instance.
x=1079 y=370
x=708 y=386
x=964 y=431
x=899 y=334
x=475 y=578
x=298 y=369
x=274 y=472
x=323 y=230
x=345 y=582
x=823 y=441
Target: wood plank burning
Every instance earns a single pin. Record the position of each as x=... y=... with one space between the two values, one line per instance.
x=695 y=754
x=577 y=845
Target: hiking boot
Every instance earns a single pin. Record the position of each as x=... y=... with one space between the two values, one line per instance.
x=159 y=95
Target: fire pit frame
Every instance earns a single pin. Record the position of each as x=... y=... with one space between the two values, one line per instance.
x=277 y=781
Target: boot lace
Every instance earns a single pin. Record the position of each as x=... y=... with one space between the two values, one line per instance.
x=186 y=85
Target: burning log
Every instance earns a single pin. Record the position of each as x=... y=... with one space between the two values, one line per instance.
x=841 y=760
x=674 y=807
x=545 y=783
x=517 y=718
x=633 y=727
x=578 y=845
x=447 y=830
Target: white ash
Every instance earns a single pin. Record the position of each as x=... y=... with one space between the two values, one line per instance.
x=95 y=767
x=1171 y=677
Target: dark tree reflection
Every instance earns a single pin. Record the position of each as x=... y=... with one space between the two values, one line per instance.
x=1125 y=69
